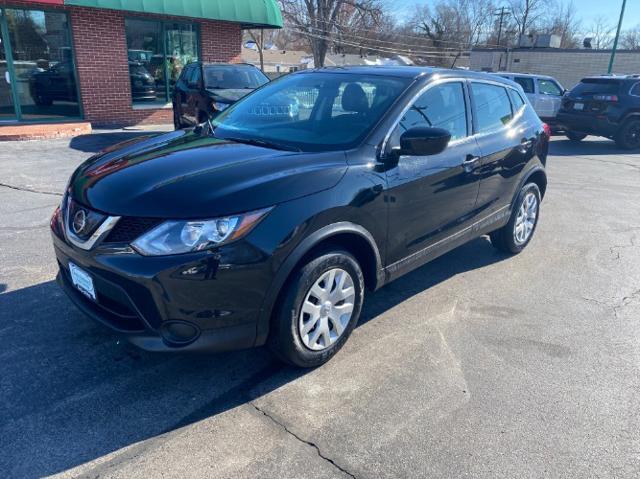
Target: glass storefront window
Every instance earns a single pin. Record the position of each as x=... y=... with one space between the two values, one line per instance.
x=158 y=52
x=44 y=72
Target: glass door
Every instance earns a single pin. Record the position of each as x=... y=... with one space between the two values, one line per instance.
x=7 y=110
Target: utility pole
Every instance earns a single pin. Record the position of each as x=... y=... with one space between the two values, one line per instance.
x=615 y=42
x=501 y=14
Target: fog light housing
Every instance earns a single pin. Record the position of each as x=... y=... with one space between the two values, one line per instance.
x=179 y=333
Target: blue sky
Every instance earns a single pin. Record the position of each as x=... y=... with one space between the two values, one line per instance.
x=588 y=9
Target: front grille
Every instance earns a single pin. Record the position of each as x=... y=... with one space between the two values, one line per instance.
x=128 y=228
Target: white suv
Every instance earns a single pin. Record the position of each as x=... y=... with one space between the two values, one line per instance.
x=544 y=92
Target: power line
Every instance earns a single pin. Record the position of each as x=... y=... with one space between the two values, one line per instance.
x=417 y=37
x=428 y=54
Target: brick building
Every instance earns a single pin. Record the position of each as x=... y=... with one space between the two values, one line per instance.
x=568 y=66
x=112 y=62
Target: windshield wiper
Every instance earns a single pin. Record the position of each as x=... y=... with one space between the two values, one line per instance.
x=263 y=143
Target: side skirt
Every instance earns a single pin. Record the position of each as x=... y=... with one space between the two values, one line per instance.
x=486 y=225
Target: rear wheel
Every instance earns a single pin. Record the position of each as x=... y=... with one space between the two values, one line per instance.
x=575 y=136
x=628 y=137
x=319 y=309
x=517 y=233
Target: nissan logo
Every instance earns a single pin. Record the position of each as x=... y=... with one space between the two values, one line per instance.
x=79 y=221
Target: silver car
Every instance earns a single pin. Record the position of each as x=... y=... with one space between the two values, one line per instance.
x=545 y=94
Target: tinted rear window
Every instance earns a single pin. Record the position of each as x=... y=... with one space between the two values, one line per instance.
x=591 y=87
x=526 y=83
x=233 y=77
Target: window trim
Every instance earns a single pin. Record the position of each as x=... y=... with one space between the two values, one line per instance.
x=163 y=30
x=637 y=84
x=473 y=106
x=534 y=83
x=470 y=129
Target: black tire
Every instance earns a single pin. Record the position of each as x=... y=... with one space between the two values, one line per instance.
x=504 y=239
x=285 y=338
x=575 y=136
x=202 y=117
x=177 y=124
x=628 y=138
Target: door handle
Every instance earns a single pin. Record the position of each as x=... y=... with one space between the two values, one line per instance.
x=526 y=143
x=470 y=163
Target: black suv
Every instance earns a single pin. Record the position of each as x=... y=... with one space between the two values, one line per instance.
x=606 y=106
x=205 y=89
x=268 y=224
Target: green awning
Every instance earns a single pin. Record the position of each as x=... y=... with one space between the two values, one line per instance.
x=249 y=13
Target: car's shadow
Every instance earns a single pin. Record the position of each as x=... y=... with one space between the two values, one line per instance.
x=98 y=141
x=562 y=146
x=71 y=392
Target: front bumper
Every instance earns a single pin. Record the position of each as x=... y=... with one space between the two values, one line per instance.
x=207 y=301
x=592 y=125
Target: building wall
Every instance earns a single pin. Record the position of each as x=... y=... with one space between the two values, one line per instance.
x=103 y=66
x=567 y=66
x=102 y=62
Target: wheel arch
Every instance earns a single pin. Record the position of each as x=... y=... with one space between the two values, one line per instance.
x=537 y=176
x=344 y=235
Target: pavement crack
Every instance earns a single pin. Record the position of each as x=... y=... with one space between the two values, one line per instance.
x=304 y=441
x=625 y=302
x=619 y=163
x=29 y=190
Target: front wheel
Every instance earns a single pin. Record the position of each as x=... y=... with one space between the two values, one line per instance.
x=628 y=138
x=319 y=308
x=575 y=136
x=517 y=233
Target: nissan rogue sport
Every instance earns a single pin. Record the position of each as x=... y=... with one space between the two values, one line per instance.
x=268 y=225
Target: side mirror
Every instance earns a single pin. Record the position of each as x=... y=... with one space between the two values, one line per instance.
x=424 y=141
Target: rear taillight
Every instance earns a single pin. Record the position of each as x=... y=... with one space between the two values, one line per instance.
x=610 y=98
x=547 y=130
x=56 y=222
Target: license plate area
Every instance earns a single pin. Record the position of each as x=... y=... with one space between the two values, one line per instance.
x=82 y=281
x=578 y=106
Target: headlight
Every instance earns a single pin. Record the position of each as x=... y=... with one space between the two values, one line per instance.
x=176 y=237
x=219 y=106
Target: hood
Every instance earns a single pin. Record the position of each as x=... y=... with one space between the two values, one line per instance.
x=228 y=95
x=188 y=174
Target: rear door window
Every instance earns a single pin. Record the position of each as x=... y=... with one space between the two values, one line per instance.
x=635 y=90
x=526 y=83
x=491 y=106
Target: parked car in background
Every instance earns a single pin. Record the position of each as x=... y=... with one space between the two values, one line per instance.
x=58 y=83
x=267 y=228
x=544 y=92
x=607 y=106
x=205 y=89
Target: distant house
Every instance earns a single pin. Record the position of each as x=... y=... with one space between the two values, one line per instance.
x=278 y=61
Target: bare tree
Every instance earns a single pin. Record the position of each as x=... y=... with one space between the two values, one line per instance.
x=631 y=39
x=601 y=33
x=257 y=36
x=317 y=20
x=562 y=20
x=526 y=13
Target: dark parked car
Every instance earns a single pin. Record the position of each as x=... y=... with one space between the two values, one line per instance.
x=606 y=106
x=58 y=83
x=205 y=89
x=267 y=229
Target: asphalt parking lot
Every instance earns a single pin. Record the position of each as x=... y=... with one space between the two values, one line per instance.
x=476 y=365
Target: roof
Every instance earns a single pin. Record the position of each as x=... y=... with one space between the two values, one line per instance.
x=414 y=72
x=249 y=13
x=526 y=75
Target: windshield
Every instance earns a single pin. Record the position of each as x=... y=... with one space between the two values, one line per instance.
x=312 y=111
x=596 y=86
x=229 y=77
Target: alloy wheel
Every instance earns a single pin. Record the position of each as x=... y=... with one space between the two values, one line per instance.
x=327 y=309
x=526 y=219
